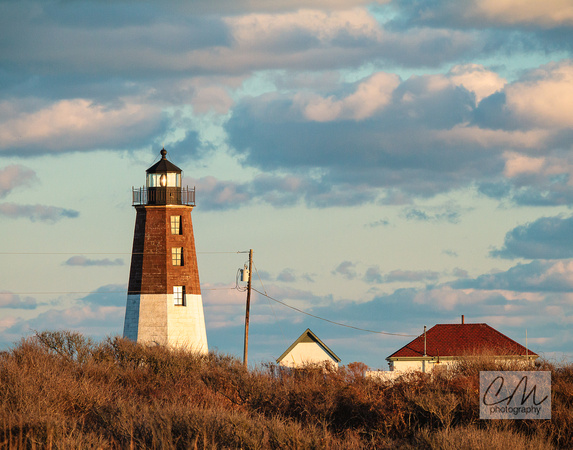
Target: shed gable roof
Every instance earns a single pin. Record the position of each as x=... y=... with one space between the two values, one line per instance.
x=460 y=340
x=309 y=337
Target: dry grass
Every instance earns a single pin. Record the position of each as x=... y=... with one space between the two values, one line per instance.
x=60 y=390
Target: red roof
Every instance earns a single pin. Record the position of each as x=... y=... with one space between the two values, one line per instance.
x=461 y=340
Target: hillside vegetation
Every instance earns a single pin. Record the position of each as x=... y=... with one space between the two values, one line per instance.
x=60 y=390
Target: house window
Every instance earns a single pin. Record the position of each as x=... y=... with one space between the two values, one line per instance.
x=175 y=224
x=179 y=295
x=177 y=256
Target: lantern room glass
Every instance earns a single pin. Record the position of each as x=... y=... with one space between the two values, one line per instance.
x=173 y=179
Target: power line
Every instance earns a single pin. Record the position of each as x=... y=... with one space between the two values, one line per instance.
x=203 y=289
x=216 y=289
x=67 y=253
x=97 y=292
x=332 y=321
x=271 y=306
x=109 y=253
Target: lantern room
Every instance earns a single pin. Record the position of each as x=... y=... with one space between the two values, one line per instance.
x=163 y=186
x=163 y=174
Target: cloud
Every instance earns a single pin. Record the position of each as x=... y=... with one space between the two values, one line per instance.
x=189 y=146
x=406 y=311
x=90 y=320
x=519 y=14
x=389 y=154
x=11 y=300
x=371 y=95
x=447 y=214
x=14 y=176
x=78 y=51
x=87 y=262
x=109 y=295
x=459 y=273
x=242 y=6
x=517 y=164
x=315 y=39
x=421 y=137
x=97 y=315
x=447 y=299
x=298 y=30
x=411 y=275
x=125 y=40
x=536 y=276
x=477 y=79
x=224 y=308
x=374 y=275
x=379 y=223
x=214 y=194
x=96 y=322
x=278 y=191
x=76 y=124
x=287 y=275
x=347 y=269
x=540 y=99
x=546 y=316
x=212 y=95
x=549 y=13
x=36 y=212
x=545 y=180
x=535 y=102
x=384 y=158
x=545 y=238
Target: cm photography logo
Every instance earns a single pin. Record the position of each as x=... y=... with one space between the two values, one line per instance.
x=515 y=395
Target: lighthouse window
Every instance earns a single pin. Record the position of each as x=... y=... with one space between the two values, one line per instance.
x=177 y=256
x=179 y=295
x=175 y=224
x=153 y=179
x=173 y=179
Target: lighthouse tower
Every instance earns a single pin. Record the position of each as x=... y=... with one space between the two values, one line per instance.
x=164 y=304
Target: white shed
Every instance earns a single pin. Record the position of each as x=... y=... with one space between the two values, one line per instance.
x=308 y=349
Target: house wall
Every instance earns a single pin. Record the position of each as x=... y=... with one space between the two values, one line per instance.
x=428 y=366
x=419 y=365
x=306 y=353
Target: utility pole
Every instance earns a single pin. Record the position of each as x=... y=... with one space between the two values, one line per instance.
x=246 y=349
x=425 y=354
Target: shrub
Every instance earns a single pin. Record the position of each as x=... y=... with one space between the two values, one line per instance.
x=60 y=390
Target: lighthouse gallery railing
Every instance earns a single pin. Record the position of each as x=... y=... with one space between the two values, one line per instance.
x=163 y=196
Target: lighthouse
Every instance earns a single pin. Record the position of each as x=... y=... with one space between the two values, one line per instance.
x=164 y=304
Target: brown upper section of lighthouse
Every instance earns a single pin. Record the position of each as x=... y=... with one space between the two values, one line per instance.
x=162 y=258
x=152 y=270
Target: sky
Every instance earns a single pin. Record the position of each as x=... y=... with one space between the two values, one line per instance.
x=392 y=164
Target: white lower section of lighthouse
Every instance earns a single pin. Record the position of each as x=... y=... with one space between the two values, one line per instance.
x=155 y=319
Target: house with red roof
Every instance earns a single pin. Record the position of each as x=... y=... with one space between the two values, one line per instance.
x=446 y=343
